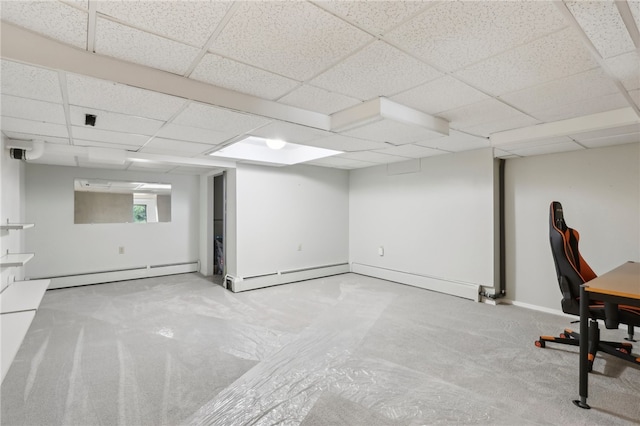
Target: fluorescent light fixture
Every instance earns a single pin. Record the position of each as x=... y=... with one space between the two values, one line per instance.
x=257 y=150
x=155 y=186
x=275 y=143
x=382 y=108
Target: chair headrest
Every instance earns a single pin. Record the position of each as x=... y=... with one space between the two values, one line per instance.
x=558 y=216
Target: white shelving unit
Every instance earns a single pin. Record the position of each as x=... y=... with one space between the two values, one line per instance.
x=23 y=296
x=16 y=226
x=19 y=302
x=14 y=327
x=15 y=259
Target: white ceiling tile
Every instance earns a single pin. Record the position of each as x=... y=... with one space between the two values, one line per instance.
x=193 y=134
x=563 y=91
x=51 y=18
x=93 y=134
x=513 y=122
x=601 y=22
x=547 y=149
x=439 y=95
x=114 y=97
x=218 y=119
x=318 y=100
x=275 y=35
x=30 y=82
x=585 y=107
x=130 y=44
x=80 y=4
x=605 y=133
x=634 y=5
x=452 y=35
x=626 y=68
x=345 y=143
x=377 y=70
x=290 y=132
x=174 y=147
x=372 y=157
x=30 y=109
x=106 y=120
x=191 y=22
x=548 y=58
x=481 y=112
x=223 y=72
x=392 y=131
x=456 y=141
x=377 y=16
x=341 y=163
x=83 y=142
x=410 y=151
x=31 y=136
x=39 y=128
x=612 y=140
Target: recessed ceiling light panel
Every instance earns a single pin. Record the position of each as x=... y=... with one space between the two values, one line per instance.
x=258 y=150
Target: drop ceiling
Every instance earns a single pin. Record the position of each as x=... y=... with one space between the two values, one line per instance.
x=171 y=82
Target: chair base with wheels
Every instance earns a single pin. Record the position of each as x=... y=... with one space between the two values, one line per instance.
x=622 y=350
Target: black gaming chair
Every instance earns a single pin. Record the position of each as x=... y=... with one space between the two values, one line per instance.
x=572 y=272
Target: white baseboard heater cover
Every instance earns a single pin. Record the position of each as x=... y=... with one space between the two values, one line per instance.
x=238 y=284
x=454 y=288
x=122 y=274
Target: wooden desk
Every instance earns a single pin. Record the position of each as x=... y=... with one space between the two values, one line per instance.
x=620 y=285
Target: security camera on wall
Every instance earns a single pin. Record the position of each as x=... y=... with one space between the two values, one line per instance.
x=17 y=154
x=25 y=150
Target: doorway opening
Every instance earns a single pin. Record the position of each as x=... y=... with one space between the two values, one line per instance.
x=219 y=216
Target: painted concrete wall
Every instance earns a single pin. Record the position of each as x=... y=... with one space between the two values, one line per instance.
x=64 y=248
x=600 y=192
x=290 y=218
x=437 y=221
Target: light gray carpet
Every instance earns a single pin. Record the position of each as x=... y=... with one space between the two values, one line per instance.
x=345 y=350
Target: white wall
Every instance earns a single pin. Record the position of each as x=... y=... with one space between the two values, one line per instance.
x=12 y=190
x=288 y=218
x=437 y=222
x=64 y=248
x=600 y=192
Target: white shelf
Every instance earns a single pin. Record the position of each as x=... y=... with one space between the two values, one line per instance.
x=13 y=328
x=17 y=226
x=23 y=296
x=15 y=259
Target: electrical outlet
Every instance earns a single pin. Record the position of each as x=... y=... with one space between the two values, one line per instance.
x=381 y=251
x=121 y=250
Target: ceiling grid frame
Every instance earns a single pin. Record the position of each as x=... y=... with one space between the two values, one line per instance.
x=562 y=7
x=379 y=36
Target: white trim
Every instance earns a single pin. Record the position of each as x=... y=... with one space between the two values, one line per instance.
x=121 y=275
x=455 y=288
x=539 y=308
x=238 y=284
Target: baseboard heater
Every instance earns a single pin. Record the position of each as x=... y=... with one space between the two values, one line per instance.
x=238 y=284
x=441 y=285
x=73 y=280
